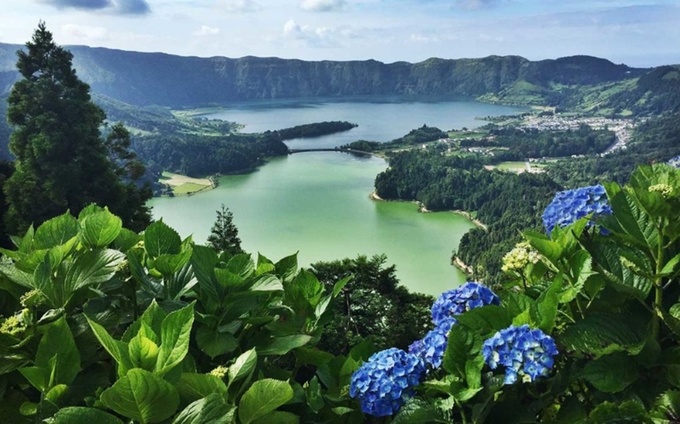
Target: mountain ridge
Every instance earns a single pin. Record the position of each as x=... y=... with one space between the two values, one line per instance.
x=164 y=79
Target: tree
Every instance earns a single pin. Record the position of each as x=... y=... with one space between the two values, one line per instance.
x=373 y=306
x=62 y=161
x=224 y=234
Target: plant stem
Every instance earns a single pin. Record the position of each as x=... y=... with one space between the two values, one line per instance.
x=658 y=286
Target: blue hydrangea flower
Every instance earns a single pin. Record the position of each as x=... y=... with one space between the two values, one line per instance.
x=430 y=349
x=523 y=352
x=386 y=381
x=454 y=302
x=674 y=162
x=571 y=205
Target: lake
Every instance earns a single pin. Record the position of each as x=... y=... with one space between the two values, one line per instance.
x=317 y=203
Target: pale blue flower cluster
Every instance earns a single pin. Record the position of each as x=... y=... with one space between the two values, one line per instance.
x=430 y=349
x=674 y=162
x=571 y=205
x=454 y=302
x=524 y=353
x=386 y=381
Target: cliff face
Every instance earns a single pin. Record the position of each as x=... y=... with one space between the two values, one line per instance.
x=176 y=81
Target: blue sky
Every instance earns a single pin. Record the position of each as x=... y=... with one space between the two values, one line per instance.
x=635 y=32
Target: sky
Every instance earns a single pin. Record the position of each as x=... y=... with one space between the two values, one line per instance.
x=635 y=32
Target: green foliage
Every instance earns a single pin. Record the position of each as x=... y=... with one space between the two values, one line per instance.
x=61 y=162
x=224 y=234
x=161 y=330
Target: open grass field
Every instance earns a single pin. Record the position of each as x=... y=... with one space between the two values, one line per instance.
x=183 y=185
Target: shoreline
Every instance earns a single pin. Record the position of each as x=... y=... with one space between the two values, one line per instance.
x=458 y=263
x=421 y=208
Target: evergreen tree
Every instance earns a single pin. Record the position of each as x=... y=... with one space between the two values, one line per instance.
x=62 y=162
x=224 y=234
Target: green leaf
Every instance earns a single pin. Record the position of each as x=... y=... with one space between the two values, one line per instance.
x=100 y=229
x=263 y=397
x=211 y=409
x=55 y=394
x=611 y=258
x=175 y=333
x=666 y=409
x=82 y=415
x=462 y=346
x=143 y=352
x=117 y=349
x=337 y=287
x=602 y=334
x=267 y=282
x=551 y=250
x=630 y=411
x=548 y=304
x=242 y=367
x=58 y=347
x=417 y=411
x=287 y=267
x=611 y=373
x=313 y=356
x=55 y=232
x=203 y=261
x=126 y=240
x=38 y=377
x=671 y=265
x=214 y=343
x=152 y=318
x=193 y=386
x=159 y=239
x=93 y=267
x=278 y=417
x=264 y=265
x=142 y=396
x=170 y=264
x=284 y=344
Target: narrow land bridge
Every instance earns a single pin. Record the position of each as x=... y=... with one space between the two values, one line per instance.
x=336 y=149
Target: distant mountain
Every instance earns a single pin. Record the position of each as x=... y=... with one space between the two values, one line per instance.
x=176 y=81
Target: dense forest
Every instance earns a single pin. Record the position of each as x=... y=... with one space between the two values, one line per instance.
x=523 y=143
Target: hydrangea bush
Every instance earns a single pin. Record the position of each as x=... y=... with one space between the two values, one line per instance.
x=571 y=205
x=386 y=381
x=585 y=329
x=524 y=352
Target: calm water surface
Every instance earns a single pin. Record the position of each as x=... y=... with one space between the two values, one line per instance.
x=318 y=203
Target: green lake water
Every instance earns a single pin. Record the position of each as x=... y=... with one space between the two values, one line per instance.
x=318 y=203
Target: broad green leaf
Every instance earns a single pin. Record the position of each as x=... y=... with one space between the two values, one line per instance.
x=214 y=343
x=152 y=318
x=159 y=239
x=58 y=347
x=551 y=250
x=17 y=276
x=193 y=386
x=611 y=373
x=548 y=304
x=630 y=411
x=460 y=348
x=38 y=377
x=417 y=411
x=287 y=267
x=83 y=415
x=337 y=287
x=602 y=334
x=313 y=356
x=175 y=333
x=242 y=367
x=143 y=352
x=55 y=394
x=666 y=409
x=284 y=344
x=608 y=255
x=278 y=417
x=100 y=229
x=486 y=319
x=263 y=397
x=241 y=264
x=264 y=265
x=169 y=264
x=93 y=267
x=55 y=231
x=671 y=265
x=267 y=282
x=142 y=396
x=203 y=261
x=117 y=349
x=126 y=240
x=211 y=409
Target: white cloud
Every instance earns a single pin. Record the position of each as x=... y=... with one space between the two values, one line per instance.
x=82 y=33
x=205 y=30
x=318 y=36
x=240 y=6
x=323 y=5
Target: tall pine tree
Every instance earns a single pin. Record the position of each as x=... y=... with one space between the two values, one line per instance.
x=224 y=234
x=62 y=161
